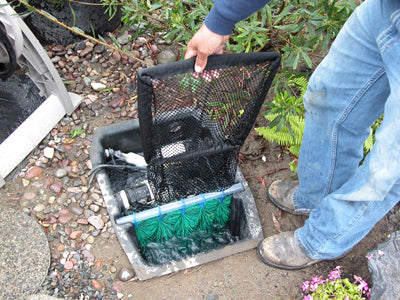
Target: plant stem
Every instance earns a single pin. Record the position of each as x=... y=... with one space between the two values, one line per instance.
x=53 y=19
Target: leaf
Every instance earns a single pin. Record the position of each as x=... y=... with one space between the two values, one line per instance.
x=78 y=30
x=49 y=15
x=112 y=37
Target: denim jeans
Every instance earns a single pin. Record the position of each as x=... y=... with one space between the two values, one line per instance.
x=355 y=84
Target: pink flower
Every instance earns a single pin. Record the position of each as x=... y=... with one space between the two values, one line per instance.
x=363 y=285
x=315 y=282
x=368 y=256
x=315 y=279
x=308 y=297
x=335 y=274
x=306 y=285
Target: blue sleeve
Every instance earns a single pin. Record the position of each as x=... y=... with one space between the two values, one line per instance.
x=226 y=13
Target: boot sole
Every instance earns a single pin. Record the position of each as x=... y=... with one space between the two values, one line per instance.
x=282 y=267
x=285 y=209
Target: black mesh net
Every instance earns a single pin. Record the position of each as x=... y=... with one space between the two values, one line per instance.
x=192 y=124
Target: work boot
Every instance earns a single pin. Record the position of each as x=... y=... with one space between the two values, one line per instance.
x=281 y=251
x=280 y=193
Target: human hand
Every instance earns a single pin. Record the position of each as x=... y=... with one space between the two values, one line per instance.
x=203 y=44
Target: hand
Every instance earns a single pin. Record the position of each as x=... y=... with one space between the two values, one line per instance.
x=203 y=44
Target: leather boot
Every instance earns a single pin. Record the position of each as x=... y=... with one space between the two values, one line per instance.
x=280 y=193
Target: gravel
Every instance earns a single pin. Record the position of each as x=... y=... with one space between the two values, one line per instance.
x=55 y=179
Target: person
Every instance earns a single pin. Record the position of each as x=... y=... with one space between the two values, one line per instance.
x=357 y=82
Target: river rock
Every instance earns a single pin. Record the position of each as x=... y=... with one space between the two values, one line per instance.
x=126 y=274
x=34 y=172
x=96 y=221
x=165 y=57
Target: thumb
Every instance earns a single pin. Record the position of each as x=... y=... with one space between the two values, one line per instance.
x=201 y=62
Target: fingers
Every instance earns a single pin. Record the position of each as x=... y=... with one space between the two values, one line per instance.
x=201 y=62
x=205 y=43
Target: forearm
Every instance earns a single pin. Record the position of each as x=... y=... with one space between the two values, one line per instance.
x=226 y=13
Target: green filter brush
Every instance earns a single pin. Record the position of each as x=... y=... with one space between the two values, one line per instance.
x=182 y=218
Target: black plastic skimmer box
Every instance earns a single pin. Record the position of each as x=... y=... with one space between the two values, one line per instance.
x=188 y=117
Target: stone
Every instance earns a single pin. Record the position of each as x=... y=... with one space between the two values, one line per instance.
x=60 y=173
x=96 y=221
x=57 y=48
x=75 y=234
x=149 y=62
x=165 y=57
x=33 y=172
x=76 y=209
x=96 y=284
x=29 y=196
x=97 y=86
x=68 y=265
x=82 y=221
x=118 y=286
x=126 y=274
x=118 y=101
x=86 y=51
x=38 y=207
x=116 y=55
x=64 y=219
x=95 y=208
x=88 y=255
x=56 y=187
x=124 y=39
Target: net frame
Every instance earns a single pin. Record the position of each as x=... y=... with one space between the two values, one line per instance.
x=174 y=98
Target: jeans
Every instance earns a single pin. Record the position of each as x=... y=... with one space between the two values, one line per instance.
x=355 y=84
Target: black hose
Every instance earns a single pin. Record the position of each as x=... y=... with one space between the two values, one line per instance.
x=6 y=70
